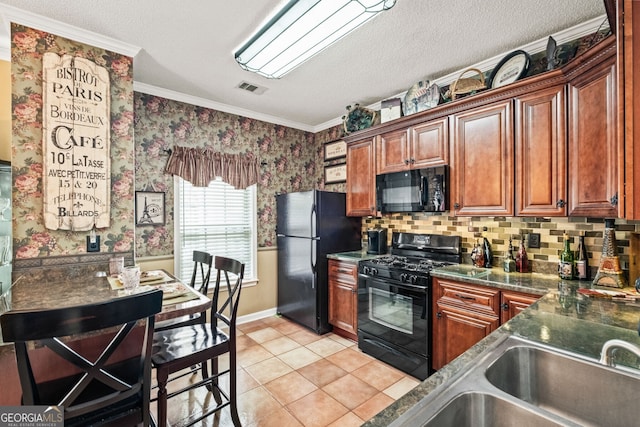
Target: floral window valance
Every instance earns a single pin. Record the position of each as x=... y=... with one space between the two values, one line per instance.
x=200 y=166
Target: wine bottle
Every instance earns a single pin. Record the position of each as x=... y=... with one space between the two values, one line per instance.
x=488 y=254
x=565 y=267
x=582 y=260
x=522 y=263
x=509 y=262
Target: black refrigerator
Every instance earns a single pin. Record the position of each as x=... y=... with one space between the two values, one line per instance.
x=311 y=224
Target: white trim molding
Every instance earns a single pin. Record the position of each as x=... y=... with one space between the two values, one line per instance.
x=12 y=14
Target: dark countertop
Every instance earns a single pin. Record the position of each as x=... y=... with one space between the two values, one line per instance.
x=562 y=318
x=37 y=290
x=353 y=256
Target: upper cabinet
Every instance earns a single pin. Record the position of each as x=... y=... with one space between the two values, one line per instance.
x=549 y=145
x=361 y=178
x=593 y=142
x=417 y=147
x=541 y=153
x=628 y=52
x=482 y=161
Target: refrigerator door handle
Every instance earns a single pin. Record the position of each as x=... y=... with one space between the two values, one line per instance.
x=314 y=221
x=313 y=261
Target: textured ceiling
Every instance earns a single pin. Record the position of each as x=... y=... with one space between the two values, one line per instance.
x=188 y=47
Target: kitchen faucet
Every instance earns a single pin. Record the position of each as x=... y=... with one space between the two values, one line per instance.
x=609 y=347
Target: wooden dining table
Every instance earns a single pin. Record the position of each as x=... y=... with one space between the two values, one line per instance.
x=79 y=290
x=27 y=293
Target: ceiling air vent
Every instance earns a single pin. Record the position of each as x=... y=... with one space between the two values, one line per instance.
x=250 y=87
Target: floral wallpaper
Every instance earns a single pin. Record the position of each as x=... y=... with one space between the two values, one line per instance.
x=291 y=159
x=31 y=238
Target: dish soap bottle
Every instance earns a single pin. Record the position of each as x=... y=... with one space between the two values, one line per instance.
x=509 y=262
x=522 y=259
x=488 y=255
x=477 y=255
x=565 y=267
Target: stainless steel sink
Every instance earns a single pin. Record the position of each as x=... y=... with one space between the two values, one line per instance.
x=519 y=382
x=485 y=410
x=579 y=390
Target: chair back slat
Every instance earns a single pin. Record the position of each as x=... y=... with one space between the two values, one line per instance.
x=104 y=387
x=219 y=309
x=202 y=263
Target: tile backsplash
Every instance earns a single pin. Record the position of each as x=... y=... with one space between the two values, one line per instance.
x=499 y=229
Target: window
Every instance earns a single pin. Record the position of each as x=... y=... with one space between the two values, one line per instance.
x=218 y=219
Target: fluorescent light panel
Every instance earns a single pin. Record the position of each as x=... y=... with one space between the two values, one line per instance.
x=302 y=29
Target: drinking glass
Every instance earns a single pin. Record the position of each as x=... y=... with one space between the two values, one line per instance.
x=5 y=250
x=130 y=277
x=5 y=202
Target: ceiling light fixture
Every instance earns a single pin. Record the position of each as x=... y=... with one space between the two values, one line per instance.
x=302 y=29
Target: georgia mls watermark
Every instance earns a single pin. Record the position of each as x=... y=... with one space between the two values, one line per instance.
x=31 y=416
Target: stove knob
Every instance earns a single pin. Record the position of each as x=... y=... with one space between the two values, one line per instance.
x=374 y=271
x=403 y=277
x=413 y=279
x=365 y=270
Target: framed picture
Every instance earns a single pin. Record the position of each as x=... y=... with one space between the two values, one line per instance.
x=512 y=67
x=150 y=208
x=335 y=150
x=335 y=173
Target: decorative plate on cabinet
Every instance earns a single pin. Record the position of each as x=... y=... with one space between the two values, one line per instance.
x=512 y=67
x=421 y=96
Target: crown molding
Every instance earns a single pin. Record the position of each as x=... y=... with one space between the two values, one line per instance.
x=12 y=14
x=207 y=103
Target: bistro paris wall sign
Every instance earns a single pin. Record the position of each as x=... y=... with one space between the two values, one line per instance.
x=76 y=143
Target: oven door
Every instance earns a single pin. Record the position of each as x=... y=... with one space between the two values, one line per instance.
x=396 y=313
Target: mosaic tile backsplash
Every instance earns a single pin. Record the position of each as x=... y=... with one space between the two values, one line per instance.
x=499 y=229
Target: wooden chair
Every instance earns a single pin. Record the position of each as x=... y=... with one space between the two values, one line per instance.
x=202 y=263
x=109 y=385
x=180 y=348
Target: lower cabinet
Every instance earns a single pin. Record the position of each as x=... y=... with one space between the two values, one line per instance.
x=463 y=314
x=343 y=298
x=513 y=303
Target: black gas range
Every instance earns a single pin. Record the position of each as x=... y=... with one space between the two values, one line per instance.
x=394 y=302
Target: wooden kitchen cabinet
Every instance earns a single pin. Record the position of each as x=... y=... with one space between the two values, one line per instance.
x=541 y=153
x=463 y=314
x=628 y=68
x=361 y=178
x=417 y=147
x=458 y=330
x=343 y=298
x=593 y=143
x=482 y=161
x=512 y=303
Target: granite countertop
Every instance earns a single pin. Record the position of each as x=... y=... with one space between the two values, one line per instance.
x=561 y=318
x=353 y=256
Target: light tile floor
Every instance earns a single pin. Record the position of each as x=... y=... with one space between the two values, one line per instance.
x=290 y=376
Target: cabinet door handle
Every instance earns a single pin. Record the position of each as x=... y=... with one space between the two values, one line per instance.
x=561 y=203
x=465 y=297
x=413 y=161
x=505 y=306
x=344 y=271
x=439 y=315
x=406 y=161
x=614 y=200
x=456 y=205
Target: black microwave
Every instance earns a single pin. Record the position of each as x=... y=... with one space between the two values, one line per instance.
x=418 y=190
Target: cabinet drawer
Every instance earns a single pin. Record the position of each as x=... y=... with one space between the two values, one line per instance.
x=343 y=271
x=470 y=297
